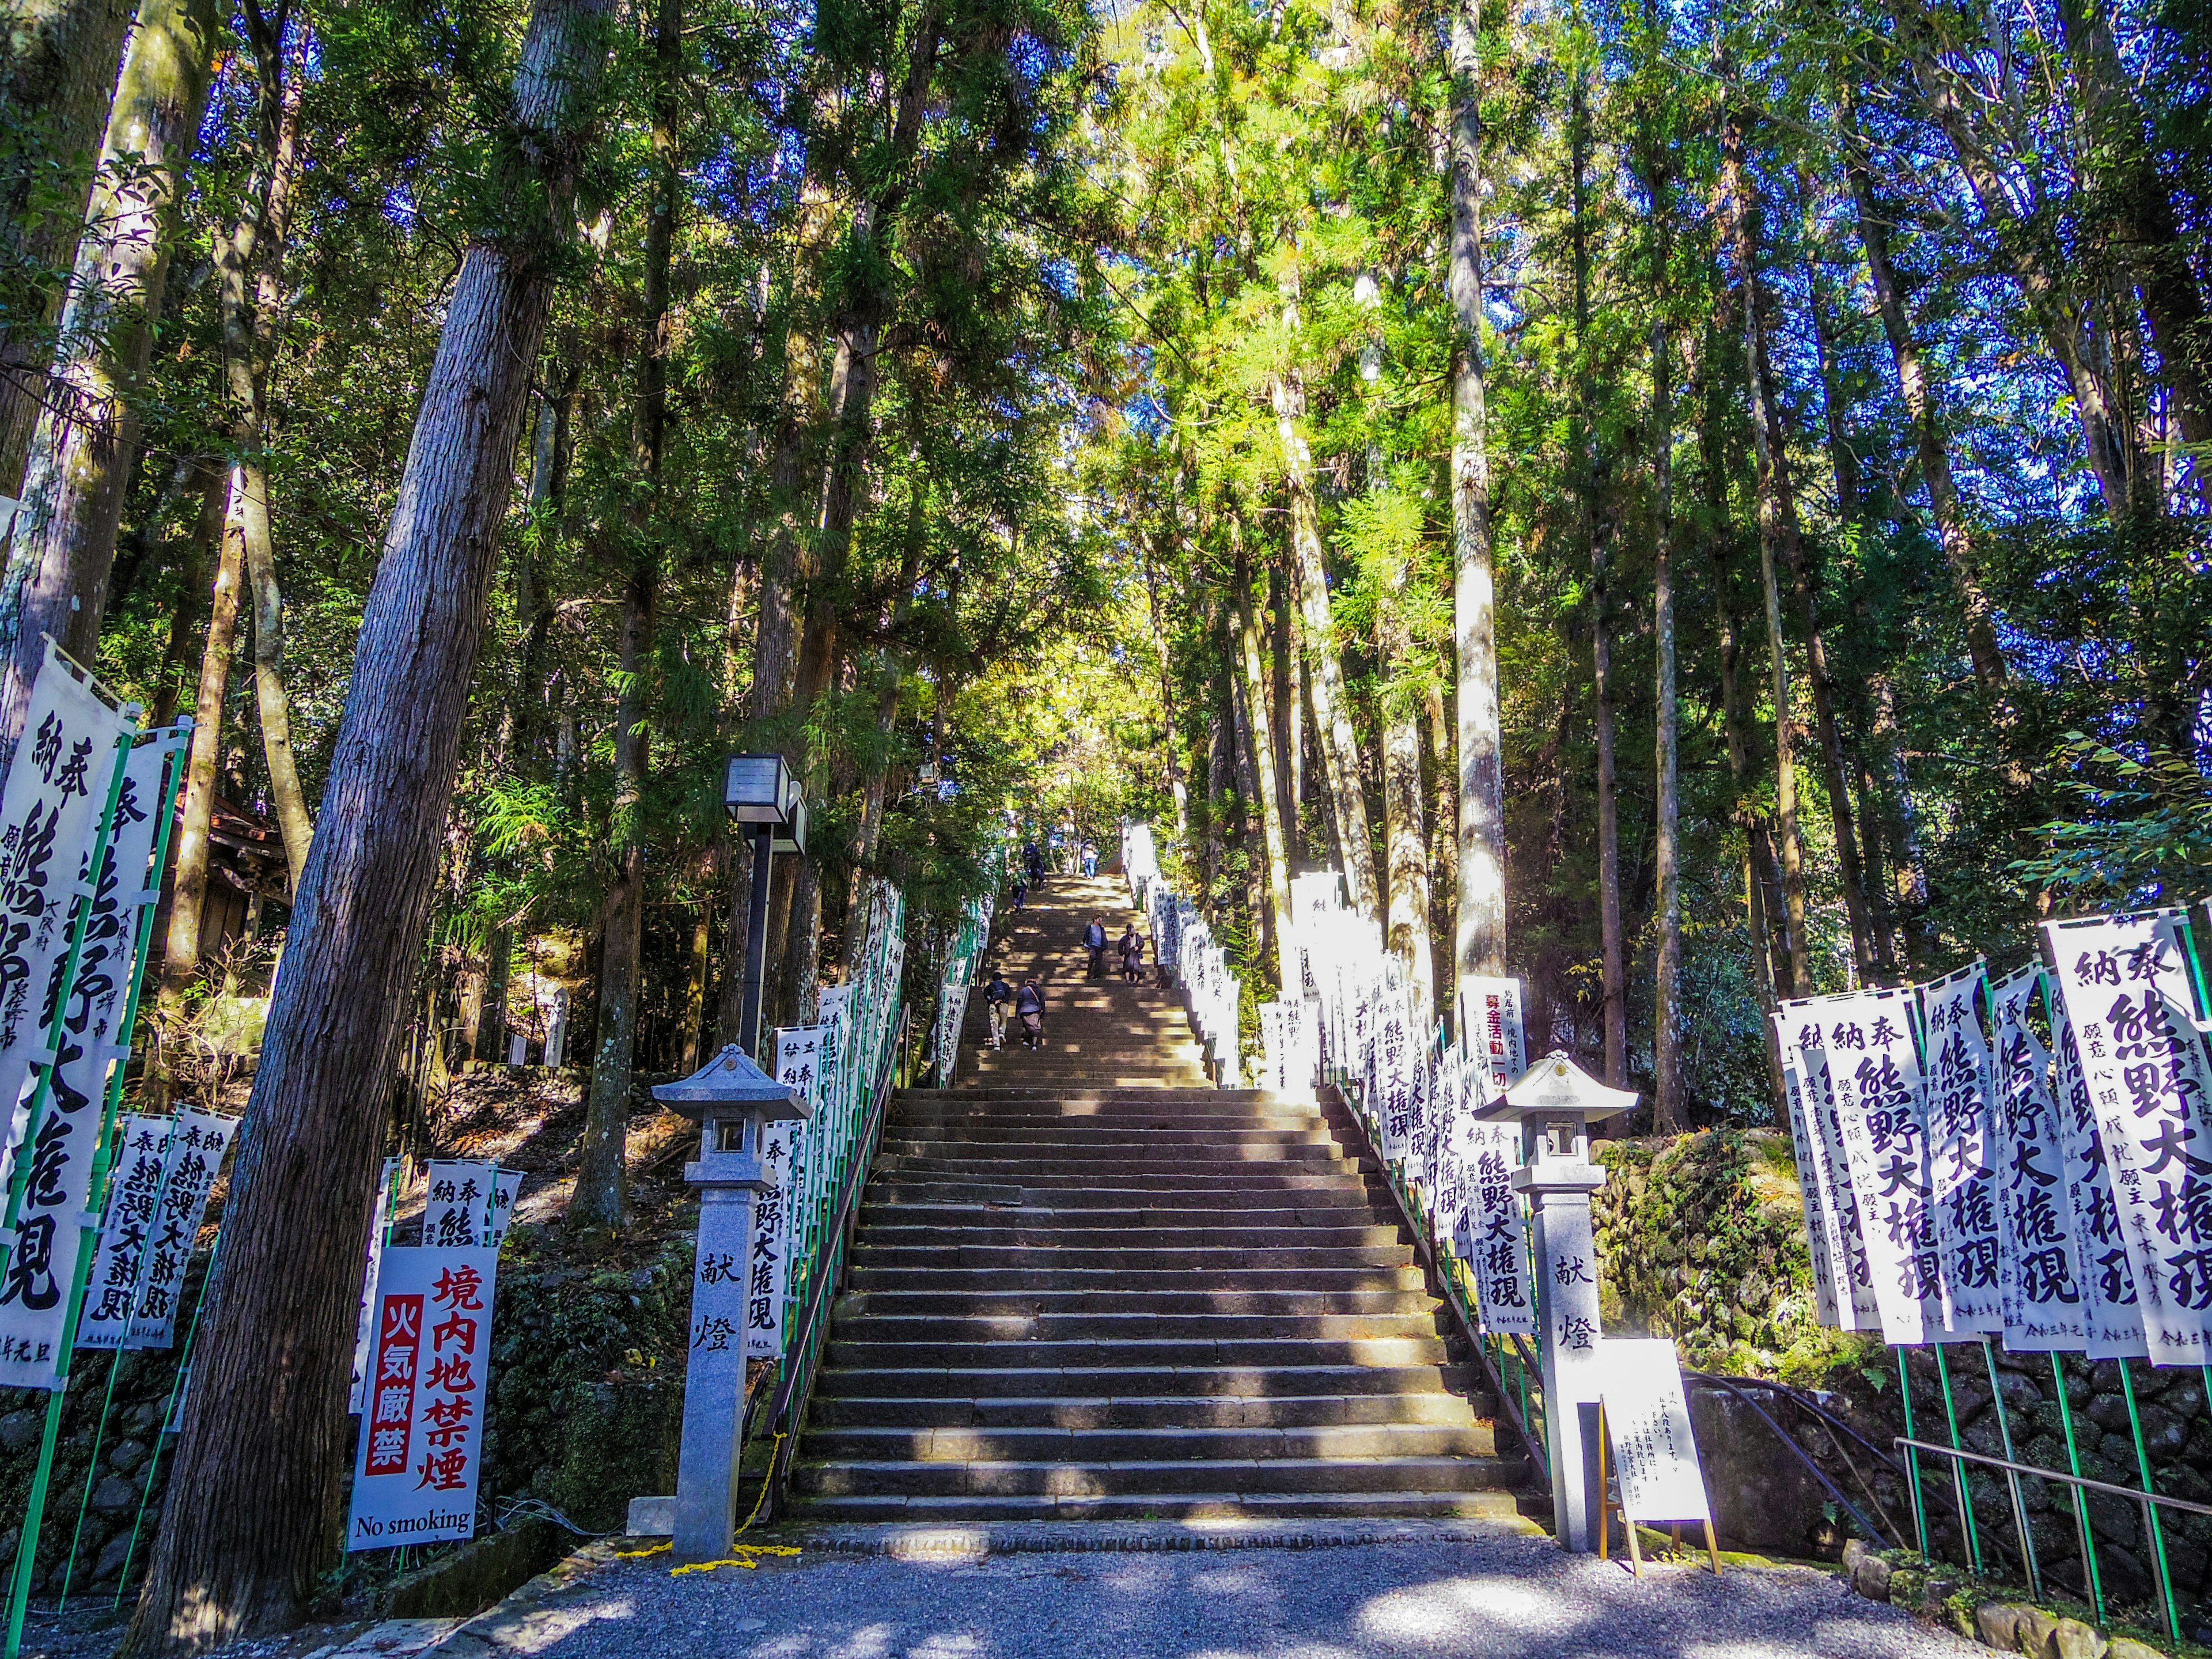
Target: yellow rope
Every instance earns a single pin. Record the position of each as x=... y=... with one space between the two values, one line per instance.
x=639 y=1555
x=744 y=1552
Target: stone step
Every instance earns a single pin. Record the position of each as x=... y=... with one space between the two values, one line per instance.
x=1077 y=1103
x=865 y=1324
x=1017 y=1231
x=1137 y=1353
x=951 y=1302
x=1089 y=1447
x=1230 y=1280
x=1113 y=1480
x=1145 y=1412
x=1117 y=1139
x=1057 y=1208
x=1495 y=1505
x=1018 y=1115
x=1308 y=1378
x=938 y=1253
x=913 y=1172
x=990 y=1161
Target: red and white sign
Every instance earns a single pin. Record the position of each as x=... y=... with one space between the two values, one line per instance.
x=421 y=1432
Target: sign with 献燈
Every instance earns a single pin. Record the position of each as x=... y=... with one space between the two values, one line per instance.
x=417 y=1468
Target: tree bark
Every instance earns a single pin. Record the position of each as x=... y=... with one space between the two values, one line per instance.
x=1283 y=716
x=201 y=551
x=55 y=579
x=1922 y=404
x=55 y=94
x=235 y=1558
x=1481 y=944
x=1669 y=1111
x=1339 y=745
x=1776 y=517
x=1405 y=829
x=1269 y=779
x=601 y=1199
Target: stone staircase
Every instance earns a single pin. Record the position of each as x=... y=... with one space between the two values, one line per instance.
x=1087 y=1286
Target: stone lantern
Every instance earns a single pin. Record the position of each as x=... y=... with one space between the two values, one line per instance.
x=1555 y=1102
x=730 y=1098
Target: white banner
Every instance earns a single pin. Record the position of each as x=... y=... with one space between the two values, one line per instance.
x=201 y=1139
x=2125 y=982
x=799 y=1066
x=1804 y=1050
x=765 y=1273
x=2043 y=1310
x=421 y=1432
x=1495 y=1242
x=456 y=1211
x=1959 y=1152
x=1874 y=1066
x=141 y=1168
x=1393 y=1100
x=1817 y=1225
x=50 y=810
x=1489 y=1008
x=2109 y=1302
x=364 y=1322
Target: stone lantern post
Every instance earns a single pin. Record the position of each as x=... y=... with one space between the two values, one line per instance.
x=1555 y=1102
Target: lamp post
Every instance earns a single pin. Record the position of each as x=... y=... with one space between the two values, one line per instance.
x=730 y=1098
x=1555 y=1102
x=761 y=791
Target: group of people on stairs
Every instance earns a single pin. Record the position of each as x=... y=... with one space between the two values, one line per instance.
x=1026 y=1005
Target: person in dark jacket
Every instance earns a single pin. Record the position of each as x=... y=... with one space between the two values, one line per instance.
x=1033 y=861
x=997 y=1001
x=1094 y=940
x=1029 y=1008
x=1133 y=955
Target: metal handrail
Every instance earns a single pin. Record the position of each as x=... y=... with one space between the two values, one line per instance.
x=2133 y=1494
x=797 y=1389
x=1733 y=1385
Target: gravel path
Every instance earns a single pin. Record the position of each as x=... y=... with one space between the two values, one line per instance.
x=1506 y=1594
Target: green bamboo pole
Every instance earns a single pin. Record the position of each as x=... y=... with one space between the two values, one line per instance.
x=1958 y=1466
x=34 y=1512
x=2095 y=1580
x=125 y=1024
x=2012 y=1478
x=177 y=1386
x=2150 y=1510
x=1911 y=1456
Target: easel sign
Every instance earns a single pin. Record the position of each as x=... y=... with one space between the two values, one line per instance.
x=1644 y=1420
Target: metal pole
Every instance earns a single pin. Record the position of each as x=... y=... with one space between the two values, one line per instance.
x=2090 y=1575
x=2012 y=1479
x=2150 y=1510
x=1959 y=1470
x=1911 y=1457
x=757 y=941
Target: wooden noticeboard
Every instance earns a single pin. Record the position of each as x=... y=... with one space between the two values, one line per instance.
x=1646 y=1435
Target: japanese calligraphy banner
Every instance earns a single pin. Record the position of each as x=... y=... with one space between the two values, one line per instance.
x=771 y=1253
x=1647 y=1418
x=1959 y=1152
x=49 y=811
x=422 y=1432
x=195 y=1153
x=2043 y=1306
x=1874 y=1069
x=1805 y=1055
x=1818 y=1219
x=2125 y=980
x=458 y=1209
x=364 y=1325
x=1495 y=1239
x=1391 y=1092
x=2109 y=1303
x=64 y=1142
x=141 y=1168
x=1490 y=1010
x=799 y=1067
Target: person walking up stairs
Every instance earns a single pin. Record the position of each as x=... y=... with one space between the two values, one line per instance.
x=1088 y=1286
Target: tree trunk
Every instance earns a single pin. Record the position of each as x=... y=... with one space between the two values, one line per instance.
x=1444 y=835
x=1481 y=944
x=1284 y=735
x=55 y=581
x=236 y=1558
x=201 y=552
x=1669 y=1112
x=1339 y=745
x=196 y=813
x=1921 y=403
x=1776 y=517
x=491 y=1019
x=1173 y=741
x=1908 y=873
x=601 y=1200
x=1270 y=780
x=55 y=94
x=273 y=702
x=1405 y=829
x=1590 y=469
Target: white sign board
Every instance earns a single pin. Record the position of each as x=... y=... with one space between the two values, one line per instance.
x=379 y=1225
x=1647 y=1419
x=421 y=1430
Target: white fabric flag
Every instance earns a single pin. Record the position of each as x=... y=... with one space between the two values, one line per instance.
x=1495 y=1238
x=1874 y=1066
x=1804 y=1050
x=201 y=1140
x=2109 y=1302
x=457 y=1209
x=1819 y=1225
x=799 y=1067
x=365 y=1320
x=1960 y=1153
x=2125 y=982
x=48 y=1244
x=142 y=1168
x=764 y=1274
x=2044 y=1307
x=422 y=1434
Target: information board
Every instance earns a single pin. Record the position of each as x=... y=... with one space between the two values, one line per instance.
x=1647 y=1419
